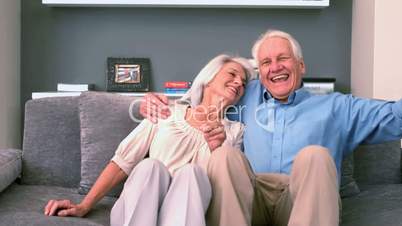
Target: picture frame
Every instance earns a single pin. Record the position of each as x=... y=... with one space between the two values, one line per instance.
x=128 y=74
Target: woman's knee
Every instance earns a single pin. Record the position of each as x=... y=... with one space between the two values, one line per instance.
x=149 y=169
x=150 y=164
x=193 y=176
x=190 y=169
x=193 y=172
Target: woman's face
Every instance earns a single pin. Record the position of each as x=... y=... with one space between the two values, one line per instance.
x=228 y=83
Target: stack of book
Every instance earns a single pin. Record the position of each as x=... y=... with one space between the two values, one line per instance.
x=64 y=87
x=319 y=85
x=177 y=87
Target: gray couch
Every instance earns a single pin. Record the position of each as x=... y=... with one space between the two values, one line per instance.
x=55 y=163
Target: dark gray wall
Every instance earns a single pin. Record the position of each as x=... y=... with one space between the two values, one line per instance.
x=71 y=44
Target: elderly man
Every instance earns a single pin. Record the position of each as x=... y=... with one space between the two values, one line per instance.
x=294 y=143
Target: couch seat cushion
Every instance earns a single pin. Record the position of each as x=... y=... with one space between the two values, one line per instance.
x=375 y=205
x=23 y=205
x=10 y=166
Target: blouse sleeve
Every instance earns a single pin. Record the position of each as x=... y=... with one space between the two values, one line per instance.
x=135 y=146
x=234 y=134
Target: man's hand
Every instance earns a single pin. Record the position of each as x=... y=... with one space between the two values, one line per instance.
x=154 y=106
x=214 y=134
x=64 y=208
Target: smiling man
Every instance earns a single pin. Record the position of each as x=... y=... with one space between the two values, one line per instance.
x=294 y=142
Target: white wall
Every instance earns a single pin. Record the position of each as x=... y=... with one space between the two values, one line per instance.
x=10 y=111
x=377 y=49
x=388 y=49
x=376 y=67
x=362 y=55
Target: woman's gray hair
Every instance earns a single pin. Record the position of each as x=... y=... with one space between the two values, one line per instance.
x=297 y=51
x=195 y=93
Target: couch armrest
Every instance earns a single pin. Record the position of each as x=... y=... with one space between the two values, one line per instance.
x=10 y=166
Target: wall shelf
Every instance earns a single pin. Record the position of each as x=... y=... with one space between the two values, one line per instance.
x=191 y=3
x=38 y=95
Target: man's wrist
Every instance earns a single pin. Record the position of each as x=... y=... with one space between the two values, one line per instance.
x=397 y=109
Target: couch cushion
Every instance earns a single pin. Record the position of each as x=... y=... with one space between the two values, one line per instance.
x=375 y=205
x=378 y=164
x=348 y=183
x=24 y=204
x=51 y=146
x=105 y=121
x=10 y=166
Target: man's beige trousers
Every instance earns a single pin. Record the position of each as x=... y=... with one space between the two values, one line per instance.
x=308 y=197
x=152 y=197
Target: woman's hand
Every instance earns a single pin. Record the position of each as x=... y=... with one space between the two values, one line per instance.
x=64 y=208
x=109 y=178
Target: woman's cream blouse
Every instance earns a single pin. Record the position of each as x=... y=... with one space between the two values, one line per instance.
x=172 y=141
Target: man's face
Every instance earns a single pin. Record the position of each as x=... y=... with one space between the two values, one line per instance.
x=280 y=71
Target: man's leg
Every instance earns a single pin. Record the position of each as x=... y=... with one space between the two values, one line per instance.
x=313 y=189
x=272 y=205
x=142 y=195
x=232 y=188
x=188 y=197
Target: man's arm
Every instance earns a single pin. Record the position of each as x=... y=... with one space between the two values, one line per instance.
x=373 y=121
x=152 y=107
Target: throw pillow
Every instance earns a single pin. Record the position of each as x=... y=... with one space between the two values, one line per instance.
x=348 y=183
x=104 y=121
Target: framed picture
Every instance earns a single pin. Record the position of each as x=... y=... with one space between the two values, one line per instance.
x=128 y=74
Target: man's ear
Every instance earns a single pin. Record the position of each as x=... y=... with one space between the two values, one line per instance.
x=302 y=67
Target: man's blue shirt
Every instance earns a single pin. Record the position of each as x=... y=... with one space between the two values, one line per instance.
x=275 y=132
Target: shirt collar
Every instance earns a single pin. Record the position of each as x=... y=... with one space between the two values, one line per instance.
x=296 y=97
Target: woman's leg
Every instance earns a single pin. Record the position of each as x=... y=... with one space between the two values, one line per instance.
x=142 y=195
x=188 y=198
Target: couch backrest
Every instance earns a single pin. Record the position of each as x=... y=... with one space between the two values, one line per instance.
x=378 y=164
x=51 y=144
x=52 y=152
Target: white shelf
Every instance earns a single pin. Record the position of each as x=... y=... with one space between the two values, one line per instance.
x=37 y=95
x=192 y=3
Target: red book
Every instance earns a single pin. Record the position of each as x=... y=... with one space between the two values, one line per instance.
x=177 y=84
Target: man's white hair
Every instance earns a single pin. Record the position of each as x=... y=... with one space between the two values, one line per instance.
x=297 y=51
x=195 y=93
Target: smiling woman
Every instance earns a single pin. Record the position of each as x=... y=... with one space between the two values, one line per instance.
x=178 y=154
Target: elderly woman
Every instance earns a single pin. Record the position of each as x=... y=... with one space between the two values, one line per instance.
x=170 y=187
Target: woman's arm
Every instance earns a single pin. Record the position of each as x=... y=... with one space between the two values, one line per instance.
x=129 y=152
x=109 y=178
